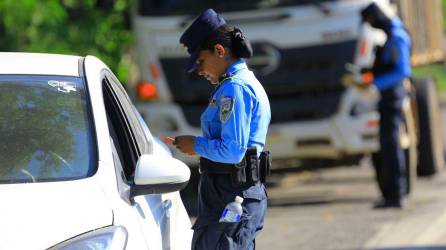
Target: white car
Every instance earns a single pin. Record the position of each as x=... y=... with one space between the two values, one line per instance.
x=79 y=168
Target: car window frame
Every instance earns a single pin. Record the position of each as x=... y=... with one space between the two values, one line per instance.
x=132 y=141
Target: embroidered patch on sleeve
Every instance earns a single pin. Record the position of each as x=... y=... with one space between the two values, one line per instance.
x=226 y=108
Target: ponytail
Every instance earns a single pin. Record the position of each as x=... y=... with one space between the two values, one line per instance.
x=241 y=47
x=232 y=38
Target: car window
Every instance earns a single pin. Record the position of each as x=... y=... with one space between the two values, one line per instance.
x=46 y=130
x=125 y=130
x=129 y=112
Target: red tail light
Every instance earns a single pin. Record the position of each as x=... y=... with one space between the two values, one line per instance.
x=146 y=91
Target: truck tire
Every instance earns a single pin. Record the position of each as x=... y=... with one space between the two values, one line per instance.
x=408 y=142
x=430 y=147
x=409 y=131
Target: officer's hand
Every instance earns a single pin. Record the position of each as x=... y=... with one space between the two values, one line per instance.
x=348 y=80
x=366 y=81
x=367 y=78
x=185 y=143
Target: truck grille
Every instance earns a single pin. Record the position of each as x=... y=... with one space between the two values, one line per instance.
x=305 y=85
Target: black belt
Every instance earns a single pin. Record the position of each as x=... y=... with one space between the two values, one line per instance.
x=248 y=172
x=211 y=167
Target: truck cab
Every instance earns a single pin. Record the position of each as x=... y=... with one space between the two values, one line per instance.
x=300 y=48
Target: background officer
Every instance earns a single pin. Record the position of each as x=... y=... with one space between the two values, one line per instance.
x=392 y=66
x=234 y=122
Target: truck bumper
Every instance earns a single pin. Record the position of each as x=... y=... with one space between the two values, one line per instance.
x=353 y=130
x=331 y=138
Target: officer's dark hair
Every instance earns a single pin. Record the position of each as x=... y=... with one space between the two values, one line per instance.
x=229 y=37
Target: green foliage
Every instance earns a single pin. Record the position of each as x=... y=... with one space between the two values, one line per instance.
x=436 y=71
x=80 y=27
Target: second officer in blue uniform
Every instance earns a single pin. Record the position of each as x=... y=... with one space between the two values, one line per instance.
x=234 y=127
x=392 y=66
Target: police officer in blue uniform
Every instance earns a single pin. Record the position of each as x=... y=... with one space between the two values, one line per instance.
x=234 y=127
x=392 y=66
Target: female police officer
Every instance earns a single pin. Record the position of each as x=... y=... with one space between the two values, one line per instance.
x=234 y=122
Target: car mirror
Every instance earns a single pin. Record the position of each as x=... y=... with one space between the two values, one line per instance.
x=157 y=174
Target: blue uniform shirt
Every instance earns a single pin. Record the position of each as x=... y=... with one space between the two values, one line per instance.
x=396 y=51
x=236 y=118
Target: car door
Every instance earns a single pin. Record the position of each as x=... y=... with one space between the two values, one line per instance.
x=176 y=218
x=130 y=141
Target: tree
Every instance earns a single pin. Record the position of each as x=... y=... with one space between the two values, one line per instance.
x=81 y=27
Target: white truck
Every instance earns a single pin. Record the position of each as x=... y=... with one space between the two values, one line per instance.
x=301 y=48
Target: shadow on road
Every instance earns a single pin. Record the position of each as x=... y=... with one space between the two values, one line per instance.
x=285 y=202
x=314 y=165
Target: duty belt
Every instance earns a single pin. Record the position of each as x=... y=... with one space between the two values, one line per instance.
x=245 y=173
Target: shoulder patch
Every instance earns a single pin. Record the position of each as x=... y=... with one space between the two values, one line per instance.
x=226 y=108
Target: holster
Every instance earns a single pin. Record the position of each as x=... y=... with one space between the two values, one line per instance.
x=265 y=165
x=243 y=174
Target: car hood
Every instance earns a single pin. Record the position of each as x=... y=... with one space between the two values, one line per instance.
x=40 y=215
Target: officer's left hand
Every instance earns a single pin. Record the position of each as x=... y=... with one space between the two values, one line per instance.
x=185 y=143
x=348 y=80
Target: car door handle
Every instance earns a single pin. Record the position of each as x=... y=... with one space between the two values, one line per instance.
x=167 y=204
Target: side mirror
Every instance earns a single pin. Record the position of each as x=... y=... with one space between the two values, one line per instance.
x=157 y=174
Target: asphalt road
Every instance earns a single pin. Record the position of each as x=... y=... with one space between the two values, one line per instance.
x=331 y=209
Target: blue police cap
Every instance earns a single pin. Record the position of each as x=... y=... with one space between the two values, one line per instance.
x=196 y=34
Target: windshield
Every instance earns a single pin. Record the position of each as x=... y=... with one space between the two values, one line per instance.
x=192 y=7
x=45 y=130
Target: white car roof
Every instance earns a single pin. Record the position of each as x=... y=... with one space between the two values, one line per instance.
x=38 y=64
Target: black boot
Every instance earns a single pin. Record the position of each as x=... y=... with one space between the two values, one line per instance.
x=383 y=204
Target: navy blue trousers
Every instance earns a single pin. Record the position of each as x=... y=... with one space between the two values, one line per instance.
x=391 y=170
x=215 y=191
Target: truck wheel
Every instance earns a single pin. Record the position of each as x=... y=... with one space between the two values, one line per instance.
x=408 y=141
x=430 y=147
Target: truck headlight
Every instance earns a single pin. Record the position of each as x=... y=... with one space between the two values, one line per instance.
x=114 y=237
